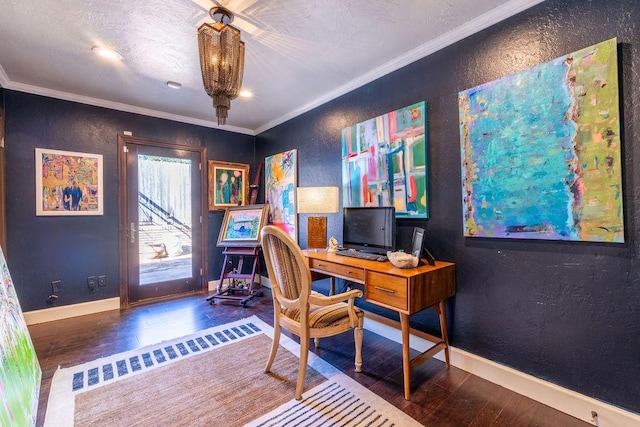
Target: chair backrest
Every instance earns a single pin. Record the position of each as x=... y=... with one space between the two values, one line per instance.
x=288 y=271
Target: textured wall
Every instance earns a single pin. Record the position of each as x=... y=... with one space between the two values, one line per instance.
x=565 y=312
x=42 y=249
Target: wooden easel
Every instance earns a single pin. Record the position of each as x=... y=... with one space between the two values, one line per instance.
x=255 y=185
x=235 y=290
x=236 y=256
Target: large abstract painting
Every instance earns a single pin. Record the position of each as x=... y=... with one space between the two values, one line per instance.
x=281 y=179
x=384 y=162
x=20 y=372
x=541 y=151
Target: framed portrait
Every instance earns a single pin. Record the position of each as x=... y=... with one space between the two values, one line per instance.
x=68 y=183
x=241 y=225
x=228 y=184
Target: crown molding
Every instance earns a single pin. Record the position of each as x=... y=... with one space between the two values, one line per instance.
x=476 y=25
x=4 y=79
x=492 y=17
x=52 y=93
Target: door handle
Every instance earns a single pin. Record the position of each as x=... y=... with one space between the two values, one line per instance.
x=132 y=232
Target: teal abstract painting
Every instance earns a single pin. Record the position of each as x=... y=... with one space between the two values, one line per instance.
x=540 y=151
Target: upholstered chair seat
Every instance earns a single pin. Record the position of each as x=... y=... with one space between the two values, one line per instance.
x=298 y=309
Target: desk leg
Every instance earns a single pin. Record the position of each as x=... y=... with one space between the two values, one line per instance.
x=440 y=308
x=332 y=286
x=406 y=356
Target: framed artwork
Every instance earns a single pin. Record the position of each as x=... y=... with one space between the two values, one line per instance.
x=417 y=241
x=384 y=162
x=540 y=151
x=241 y=225
x=281 y=180
x=20 y=372
x=68 y=183
x=228 y=184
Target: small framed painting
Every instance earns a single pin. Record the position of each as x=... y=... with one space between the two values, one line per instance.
x=241 y=225
x=68 y=183
x=228 y=184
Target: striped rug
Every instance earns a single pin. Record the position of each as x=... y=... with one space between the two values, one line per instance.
x=335 y=400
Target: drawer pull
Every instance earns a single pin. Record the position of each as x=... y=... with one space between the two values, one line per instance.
x=389 y=291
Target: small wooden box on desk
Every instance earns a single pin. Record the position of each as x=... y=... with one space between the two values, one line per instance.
x=406 y=291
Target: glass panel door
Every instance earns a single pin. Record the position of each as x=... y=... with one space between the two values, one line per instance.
x=163 y=216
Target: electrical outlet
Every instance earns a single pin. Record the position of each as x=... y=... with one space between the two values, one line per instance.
x=102 y=280
x=91 y=282
x=56 y=285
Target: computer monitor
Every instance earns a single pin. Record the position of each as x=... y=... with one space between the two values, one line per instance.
x=369 y=229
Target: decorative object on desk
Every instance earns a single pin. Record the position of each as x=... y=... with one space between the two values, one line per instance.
x=280 y=181
x=540 y=151
x=403 y=260
x=333 y=245
x=228 y=184
x=173 y=372
x=419 y=248
x=417 y=241
x=221 y=60
x=317 y=200
x=384 y=162
x=68 y=183
x=241 y=226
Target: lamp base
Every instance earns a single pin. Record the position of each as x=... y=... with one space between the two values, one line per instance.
x=317 y=232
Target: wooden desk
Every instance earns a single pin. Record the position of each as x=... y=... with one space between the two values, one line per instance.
x=405 y=291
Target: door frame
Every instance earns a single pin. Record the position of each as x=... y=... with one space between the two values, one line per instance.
x=123 y=224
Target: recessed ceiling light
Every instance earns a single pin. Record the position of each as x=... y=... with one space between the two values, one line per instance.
x=246 y=94
x=106 y=53
x=174 y=85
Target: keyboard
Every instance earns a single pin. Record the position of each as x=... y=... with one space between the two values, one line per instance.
x=362 y=255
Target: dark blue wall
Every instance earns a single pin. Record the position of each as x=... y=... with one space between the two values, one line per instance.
x=561 y=311
x=565 y=312
x=42 y=249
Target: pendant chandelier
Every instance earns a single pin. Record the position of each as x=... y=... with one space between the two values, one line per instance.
x=221 y=60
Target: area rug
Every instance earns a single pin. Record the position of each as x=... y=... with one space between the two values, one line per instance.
x=214 y=377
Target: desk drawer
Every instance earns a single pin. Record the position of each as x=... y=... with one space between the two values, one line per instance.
x=345 y=271
x=386 y=289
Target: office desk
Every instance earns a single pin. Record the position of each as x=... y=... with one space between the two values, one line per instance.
x=406 y=291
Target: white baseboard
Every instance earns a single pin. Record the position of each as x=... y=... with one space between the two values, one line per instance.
x=73 y=310
x=562 y=399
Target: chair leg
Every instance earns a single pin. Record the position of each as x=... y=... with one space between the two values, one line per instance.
x=316 y=341
x=302 y=369
x=274 y=346
x=357 y=337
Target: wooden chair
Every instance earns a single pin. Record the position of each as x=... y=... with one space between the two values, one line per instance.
x=299 y=310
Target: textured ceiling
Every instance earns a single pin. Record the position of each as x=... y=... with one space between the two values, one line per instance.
x=299 y=53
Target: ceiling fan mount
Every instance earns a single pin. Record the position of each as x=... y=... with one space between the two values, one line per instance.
x=221 y=15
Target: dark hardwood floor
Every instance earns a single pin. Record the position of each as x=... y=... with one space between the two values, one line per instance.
x=440 y=396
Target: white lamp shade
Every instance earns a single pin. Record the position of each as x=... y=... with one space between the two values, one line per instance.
x=316 y=200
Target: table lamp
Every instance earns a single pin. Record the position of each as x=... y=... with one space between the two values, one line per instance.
x=317 y=200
